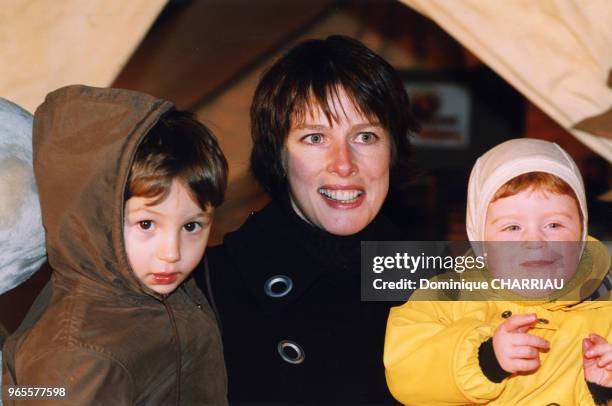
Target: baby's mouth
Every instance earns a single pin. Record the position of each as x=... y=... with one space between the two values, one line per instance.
x=341 y=196
x=539 y=263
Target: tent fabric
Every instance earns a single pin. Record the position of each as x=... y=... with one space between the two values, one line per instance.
x=46 y=45
x=555 y=52
x=599 y=125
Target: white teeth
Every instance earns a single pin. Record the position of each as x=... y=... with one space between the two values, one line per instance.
x=344 y=196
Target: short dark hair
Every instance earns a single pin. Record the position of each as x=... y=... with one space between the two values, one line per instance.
x=179 y=147
x=315 y=71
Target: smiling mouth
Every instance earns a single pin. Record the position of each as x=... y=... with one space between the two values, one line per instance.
x=341 y=196
x=537 y=263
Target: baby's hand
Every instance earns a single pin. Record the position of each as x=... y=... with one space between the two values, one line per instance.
x=597 y=360
x=515 y=350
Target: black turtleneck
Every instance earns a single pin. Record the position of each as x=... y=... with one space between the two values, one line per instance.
x=336 y=252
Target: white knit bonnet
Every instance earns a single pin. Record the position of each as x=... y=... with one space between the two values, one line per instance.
x=509 y=160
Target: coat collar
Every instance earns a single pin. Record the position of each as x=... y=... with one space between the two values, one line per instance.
x=277 y=242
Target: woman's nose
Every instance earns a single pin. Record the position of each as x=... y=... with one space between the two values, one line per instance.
x=169 y=249
x=342 y=160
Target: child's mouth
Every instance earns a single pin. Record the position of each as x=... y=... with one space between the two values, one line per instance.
x=540 y=263
x=164 y=278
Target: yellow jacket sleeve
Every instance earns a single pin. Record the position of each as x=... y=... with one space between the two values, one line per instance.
x=431 y=354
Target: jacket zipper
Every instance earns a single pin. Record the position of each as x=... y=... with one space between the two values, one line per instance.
x=178 y=351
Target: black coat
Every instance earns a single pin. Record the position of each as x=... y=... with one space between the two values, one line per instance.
x=340 y=337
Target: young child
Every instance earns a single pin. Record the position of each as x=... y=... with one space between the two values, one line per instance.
x=128 y=187
x=513 y=352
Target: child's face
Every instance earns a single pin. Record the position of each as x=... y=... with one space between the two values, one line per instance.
x=533 y=215
x=533 y=234
x=165 y=241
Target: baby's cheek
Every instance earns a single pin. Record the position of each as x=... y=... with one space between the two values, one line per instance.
x=490 y=233
x=574 y=234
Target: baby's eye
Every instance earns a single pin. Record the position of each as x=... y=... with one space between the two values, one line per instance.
x=145 y=224
x=313 y=138
x=191 y=227
x=512 y=227
x=366 y=138
x=554 y=225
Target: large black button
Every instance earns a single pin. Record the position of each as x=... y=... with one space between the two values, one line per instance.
x=278 y=286
x=291 y=352
x=506 y=314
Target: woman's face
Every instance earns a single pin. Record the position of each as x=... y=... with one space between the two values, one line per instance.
x=338 y=172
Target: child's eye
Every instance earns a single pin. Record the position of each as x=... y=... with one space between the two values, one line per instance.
x=145 y=224
x=313 y=139
x=512 y=227
x=554 y=225
x=366 y=138
x=191 y=227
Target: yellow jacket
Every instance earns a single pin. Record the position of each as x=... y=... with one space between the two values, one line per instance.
x=431 y=348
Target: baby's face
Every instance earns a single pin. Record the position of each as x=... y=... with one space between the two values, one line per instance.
x=533 y=215
x=165 y=241
x=533 y=234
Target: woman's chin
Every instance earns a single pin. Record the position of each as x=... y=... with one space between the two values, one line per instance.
x=344 y=226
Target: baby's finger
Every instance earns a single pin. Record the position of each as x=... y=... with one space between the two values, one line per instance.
x=513 y=323
x=586 y=345
x=524 y=329
x=598 y=350
x=524 y=352
x=525 y=365
x=597 y=339
x=530 y=340
x=605 y=360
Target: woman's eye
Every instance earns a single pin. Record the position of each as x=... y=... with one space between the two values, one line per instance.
x=145 y=224
x=191 y=227
x=313 y=138
x=367 y=138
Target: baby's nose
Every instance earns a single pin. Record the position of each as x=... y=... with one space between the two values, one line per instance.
x=534 y=239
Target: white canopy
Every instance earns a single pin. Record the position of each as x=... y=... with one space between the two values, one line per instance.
x=47 y=44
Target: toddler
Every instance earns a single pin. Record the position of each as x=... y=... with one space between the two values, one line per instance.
x=128 y=187
x=530 y=349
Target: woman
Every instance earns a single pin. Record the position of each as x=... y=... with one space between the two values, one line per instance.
x=330 y=124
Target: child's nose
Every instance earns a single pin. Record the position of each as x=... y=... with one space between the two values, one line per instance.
x=169 y=249
x=534 y=238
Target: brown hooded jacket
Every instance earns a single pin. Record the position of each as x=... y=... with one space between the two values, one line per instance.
x=96 y=329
